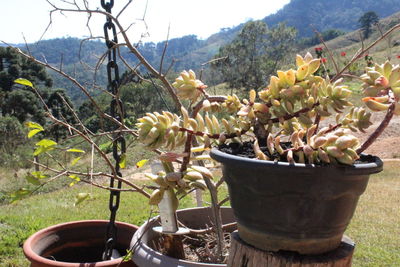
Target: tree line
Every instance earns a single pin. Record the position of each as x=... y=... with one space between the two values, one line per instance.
x=244 y=63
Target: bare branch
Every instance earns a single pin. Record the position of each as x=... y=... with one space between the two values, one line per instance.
x=222 y=202
x=164 y=50
x=26 y=45
x=327 y=48
x=214 y=60
x=360 y=53
x=379 y=130
x=123 y=9
x=170 y=66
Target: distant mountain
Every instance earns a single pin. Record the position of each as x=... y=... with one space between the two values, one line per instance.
x=324 y=15
x=189 y=52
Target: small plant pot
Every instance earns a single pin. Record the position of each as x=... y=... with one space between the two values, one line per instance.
x=294 y=207
x=77 y=244
x=195 y=218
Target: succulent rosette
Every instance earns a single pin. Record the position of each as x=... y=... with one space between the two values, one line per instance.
x=283 y=119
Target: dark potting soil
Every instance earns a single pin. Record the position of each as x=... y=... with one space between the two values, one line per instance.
x=246 y=150
x=199 y=248
x=78 y=254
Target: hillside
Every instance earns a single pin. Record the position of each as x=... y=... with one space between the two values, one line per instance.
x=190 y=52
x=324 y=15
x=350 y=43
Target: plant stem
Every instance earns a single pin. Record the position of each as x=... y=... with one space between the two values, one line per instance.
x=379 y=130
x=216 y=216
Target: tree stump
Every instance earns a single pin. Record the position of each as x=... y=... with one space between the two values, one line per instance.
x=245 y=255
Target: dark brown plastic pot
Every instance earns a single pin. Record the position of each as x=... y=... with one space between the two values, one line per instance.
x=195 y=218
x=295 y=207
x=77 y=244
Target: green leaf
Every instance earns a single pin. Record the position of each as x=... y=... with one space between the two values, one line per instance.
x=39 y=175
x=46 y=143
x=76 y=178
x=23 y=82
x=104 y=147
x=81 y=197
x=76 y=150
x=41 y=150
x=33 y=125
x=128 y=256
x=32 y=179
x=34 y=132
x=75 y=160
x=141 y=163
x=122 y=161
x=19 y=194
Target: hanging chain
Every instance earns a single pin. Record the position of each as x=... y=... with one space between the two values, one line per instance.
x=117 y=112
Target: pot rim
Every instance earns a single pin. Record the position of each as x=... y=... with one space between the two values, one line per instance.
x=33 y=256
x=374 y=162
x=144 y=228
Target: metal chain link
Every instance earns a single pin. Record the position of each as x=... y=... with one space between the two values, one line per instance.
x=117 y=112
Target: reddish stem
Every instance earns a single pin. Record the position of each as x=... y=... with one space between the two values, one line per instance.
x=296 y=114
x=188 y=146
x=379 y=130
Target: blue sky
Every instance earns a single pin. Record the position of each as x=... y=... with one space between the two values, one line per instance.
x=30 y=18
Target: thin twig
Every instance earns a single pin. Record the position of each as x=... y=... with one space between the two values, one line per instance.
x=385 y=122
x=360 y=53
x=213 y=60
x=123 y=9
x=222 y=202
x=164 y=50
x=327 y=49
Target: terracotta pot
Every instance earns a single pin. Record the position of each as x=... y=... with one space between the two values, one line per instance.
x=76 y=244
x=295 y=207
x=194 y=218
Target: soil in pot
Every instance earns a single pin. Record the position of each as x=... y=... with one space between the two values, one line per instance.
x=146 y=239
x=79 y=243
x=199 y=247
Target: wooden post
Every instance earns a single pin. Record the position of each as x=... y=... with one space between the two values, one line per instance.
x=244 y=255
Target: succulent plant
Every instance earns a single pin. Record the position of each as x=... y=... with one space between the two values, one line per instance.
x=187 y=86
x=288 y=110
x=382 y=87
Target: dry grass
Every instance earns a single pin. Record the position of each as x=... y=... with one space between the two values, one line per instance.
x=375 y=227
x=389 y=48
x=376 y=224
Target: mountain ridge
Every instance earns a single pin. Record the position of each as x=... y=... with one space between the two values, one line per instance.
x=191 y=52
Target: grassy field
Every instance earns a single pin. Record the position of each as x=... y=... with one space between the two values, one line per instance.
x=375 y=227
x=376 y=224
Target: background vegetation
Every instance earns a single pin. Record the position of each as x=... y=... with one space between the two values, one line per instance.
x=241 y=58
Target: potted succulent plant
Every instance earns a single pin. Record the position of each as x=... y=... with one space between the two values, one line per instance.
x=280 y=159
x=294 y=176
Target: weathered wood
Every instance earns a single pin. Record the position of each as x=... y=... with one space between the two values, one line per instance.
x=173 y=246
x=244 y=255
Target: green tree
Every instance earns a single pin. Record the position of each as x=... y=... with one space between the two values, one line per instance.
x=17 y=100
x=281 y=41
x=13 y=66
x=23 y=105
x=366 y=22
x=254 y=54
x=12 y=134
x=140 y=98
x=243 y=63
x=61 y=108
x=326 y=36
x=137 y=96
